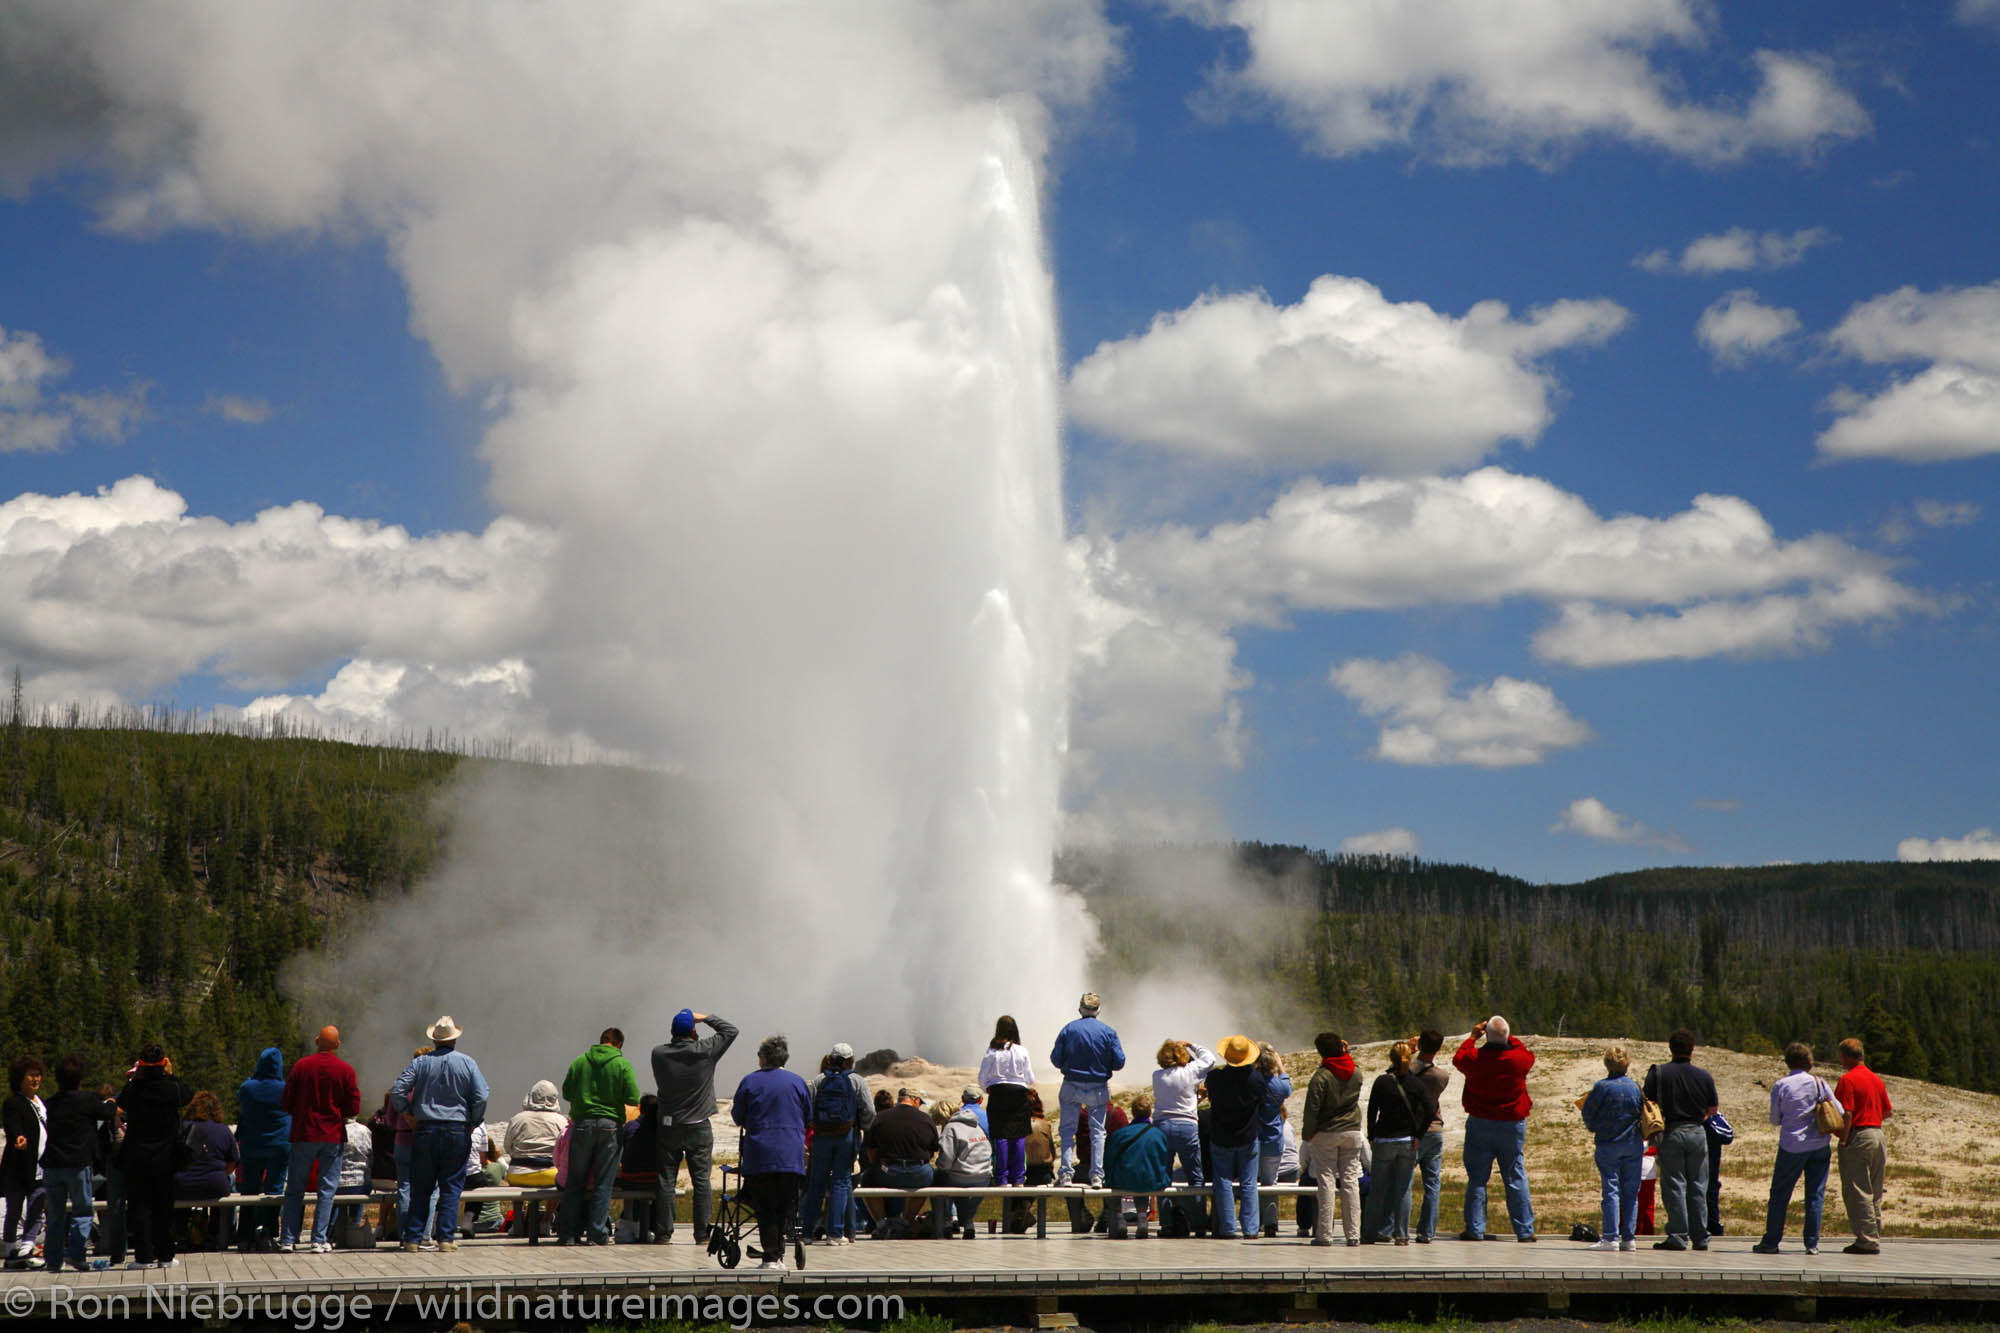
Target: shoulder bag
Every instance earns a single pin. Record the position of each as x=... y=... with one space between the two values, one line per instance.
x=1652 y=1123
x=1829 y=1116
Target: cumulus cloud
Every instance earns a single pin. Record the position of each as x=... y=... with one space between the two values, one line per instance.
x=238 y=409
x=1467 y=82
x=1501 y=724
x=1383 y=842
x=1735 y=251
x=1491 y=536
x=124 y=592
x=33 y=420
x=1739 y=326
x=1344 y=377
x=1950 y=409
x=1982 y=844
x=1591 y=818
x=1902 y=524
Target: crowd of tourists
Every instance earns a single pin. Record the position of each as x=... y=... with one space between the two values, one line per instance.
x=1212 y=1119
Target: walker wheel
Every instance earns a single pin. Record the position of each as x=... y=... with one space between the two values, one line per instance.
x=798 y=1253
x=730 y=1255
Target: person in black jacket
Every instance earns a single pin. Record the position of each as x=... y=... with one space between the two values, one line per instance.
x=1400 y=1108
x=1236 y=1094
x=152 y=1102
x=24 y=1118
x=76 y=1118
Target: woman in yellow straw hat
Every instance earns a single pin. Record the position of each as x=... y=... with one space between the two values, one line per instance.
x=1236 y=1091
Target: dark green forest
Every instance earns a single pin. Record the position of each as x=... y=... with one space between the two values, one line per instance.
x=1906 y=956
x=155 y=881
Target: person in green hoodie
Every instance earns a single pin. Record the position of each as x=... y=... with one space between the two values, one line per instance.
x=598 y=1088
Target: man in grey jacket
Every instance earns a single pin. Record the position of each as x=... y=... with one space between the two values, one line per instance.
x=684 y=1074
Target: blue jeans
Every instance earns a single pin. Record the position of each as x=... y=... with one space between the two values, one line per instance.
x=907 y=1177
x=69 y=1215
x=437 y=1162
x=1684 y=1181
x=1784 y=1176
x=585 y=1211
x=1430 y=1161
x=1184 y=1142
x=303 y=1157
x=1503 y=1143
x=1618 y=1168
x=264 y=1172
x=829 y=1182
x=1090 y=1099
x=1235 y=1168
x=1386 y=1212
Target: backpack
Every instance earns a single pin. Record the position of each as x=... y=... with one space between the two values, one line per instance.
x=833 y=1104
x=190 y=1148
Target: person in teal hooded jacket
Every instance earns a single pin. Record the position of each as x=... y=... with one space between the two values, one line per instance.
x=264 y=1139
x=1137 y=1159
x=598 y=1088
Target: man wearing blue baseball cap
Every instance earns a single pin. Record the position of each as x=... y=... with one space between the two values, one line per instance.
x=684 y=1073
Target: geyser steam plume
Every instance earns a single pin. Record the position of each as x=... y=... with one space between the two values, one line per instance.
x=759 y=299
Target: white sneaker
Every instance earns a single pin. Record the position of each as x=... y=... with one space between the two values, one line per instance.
x=168 y=1263
x=1606 y=1244
x=772 y=1266
x=427 y=1245
x=286 y=1247
x=322 y=1247
x=846 y=1240
x=1626 y=1246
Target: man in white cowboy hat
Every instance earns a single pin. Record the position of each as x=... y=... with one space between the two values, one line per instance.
x=446 y=1093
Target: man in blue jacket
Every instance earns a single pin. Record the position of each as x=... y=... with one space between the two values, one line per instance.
x=1088 y=1054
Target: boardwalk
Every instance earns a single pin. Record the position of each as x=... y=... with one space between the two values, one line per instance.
x=1036 y=1274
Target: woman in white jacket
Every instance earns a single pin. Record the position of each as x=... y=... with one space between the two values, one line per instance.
x=1183 y=1065
x=1005 y=1075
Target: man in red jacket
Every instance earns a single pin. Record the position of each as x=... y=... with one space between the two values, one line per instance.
x=320 y=1094
x=1496 y=1125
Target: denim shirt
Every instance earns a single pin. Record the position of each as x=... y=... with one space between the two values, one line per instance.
x=1271 y=1134
x=1611 y=1111
x=444 y=1085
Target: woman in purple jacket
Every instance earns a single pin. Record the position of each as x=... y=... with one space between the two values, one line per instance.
x=771 y=1106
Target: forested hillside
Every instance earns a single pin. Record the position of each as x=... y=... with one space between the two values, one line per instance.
x=1908 y=956
x=154 y=881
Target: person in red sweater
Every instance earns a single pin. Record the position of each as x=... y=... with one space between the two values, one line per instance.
x=1496 y=1125
x=320 y=1093
x=1864 y=1158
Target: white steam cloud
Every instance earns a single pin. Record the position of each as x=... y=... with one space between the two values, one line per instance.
x=764 y=315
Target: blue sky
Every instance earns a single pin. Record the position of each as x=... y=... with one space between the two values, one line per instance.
x=1618 y=696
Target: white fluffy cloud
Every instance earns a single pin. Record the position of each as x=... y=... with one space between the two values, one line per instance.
x=1501 y=724
x=1738 y=326
x=123 y=592
x=1735 y=251
x=1982 y=844
x=1467 y=81
x=1344 y=377
x=34 y=420
x=1490 y=536
x=1383 y=842
x=1948 y=410
x=1591 y=818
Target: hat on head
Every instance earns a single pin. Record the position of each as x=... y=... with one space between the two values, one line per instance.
x=909 y=1095
x=445 y=1030
x=971 y=1093
x=842 y=1051
x=684 y=1023
x=1237 y=1050
x=1089 y=1002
